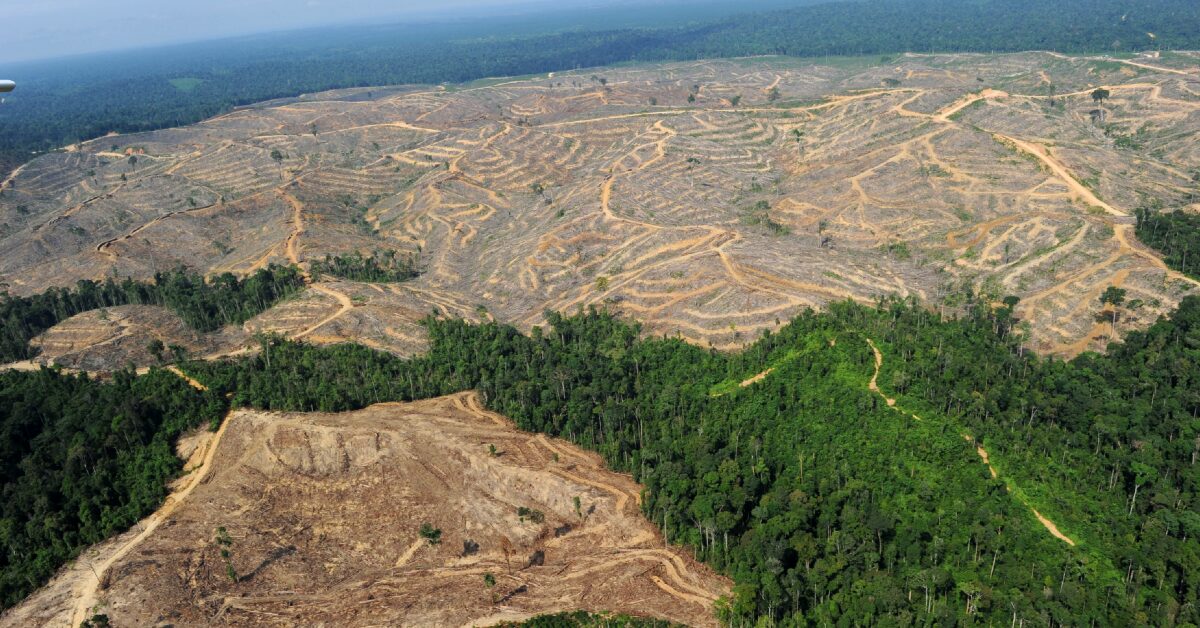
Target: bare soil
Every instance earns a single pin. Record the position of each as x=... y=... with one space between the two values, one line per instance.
x=912 y=177
x=324 y=513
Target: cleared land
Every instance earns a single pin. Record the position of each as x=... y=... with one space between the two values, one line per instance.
x=324 y=512
x=707 y=199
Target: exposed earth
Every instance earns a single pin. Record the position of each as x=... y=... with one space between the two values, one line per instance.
x=708 y=199
x=323 y=514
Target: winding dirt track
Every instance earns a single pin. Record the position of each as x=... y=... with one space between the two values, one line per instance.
x=297 y=226
x=343 y=300
x=1136 y=64
x=1078 y=189
x=983 y=454
x=757 y=378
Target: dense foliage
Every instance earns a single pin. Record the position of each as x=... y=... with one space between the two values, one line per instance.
x=204 y=305
x=824 y=504
x=379 y=267
x=81 y=460
x=61 y=102
x=1175 y=234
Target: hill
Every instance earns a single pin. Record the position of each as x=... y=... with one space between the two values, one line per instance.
x=389 y=469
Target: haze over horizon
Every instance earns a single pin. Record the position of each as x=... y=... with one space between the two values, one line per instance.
x=49 y=29
x=57 y=28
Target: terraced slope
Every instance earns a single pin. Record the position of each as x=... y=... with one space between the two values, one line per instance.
x=708 y=199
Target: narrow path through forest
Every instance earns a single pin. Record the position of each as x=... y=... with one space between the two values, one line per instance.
x=983 y=454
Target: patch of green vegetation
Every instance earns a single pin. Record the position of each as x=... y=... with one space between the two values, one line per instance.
x=1107 y=67
x=531 y=515
x=734 y=383
x=1129 y=141
x=491 y=81
x=898 y=250
x=381 y=266
x=760 y=215
x=203 y=305
x=1175 y=234
x=186 y=84
x=431 y=534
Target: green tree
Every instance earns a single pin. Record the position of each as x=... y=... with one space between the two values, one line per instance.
x=430 y=533
x=156 y=348
x=1112 y=298
x=489 y=582
x=277 y=157
x=225 y=545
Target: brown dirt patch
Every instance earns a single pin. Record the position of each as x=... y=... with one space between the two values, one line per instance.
x=324 y=511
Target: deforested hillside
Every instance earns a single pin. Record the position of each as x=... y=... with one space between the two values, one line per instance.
x=709 y=199
x=398 y=514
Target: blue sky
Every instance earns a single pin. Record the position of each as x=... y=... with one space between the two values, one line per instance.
x=33 y=29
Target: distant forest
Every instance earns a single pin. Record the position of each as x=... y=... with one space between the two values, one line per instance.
x=68 y=100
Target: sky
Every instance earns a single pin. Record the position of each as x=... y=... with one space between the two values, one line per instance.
x=38 y=29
